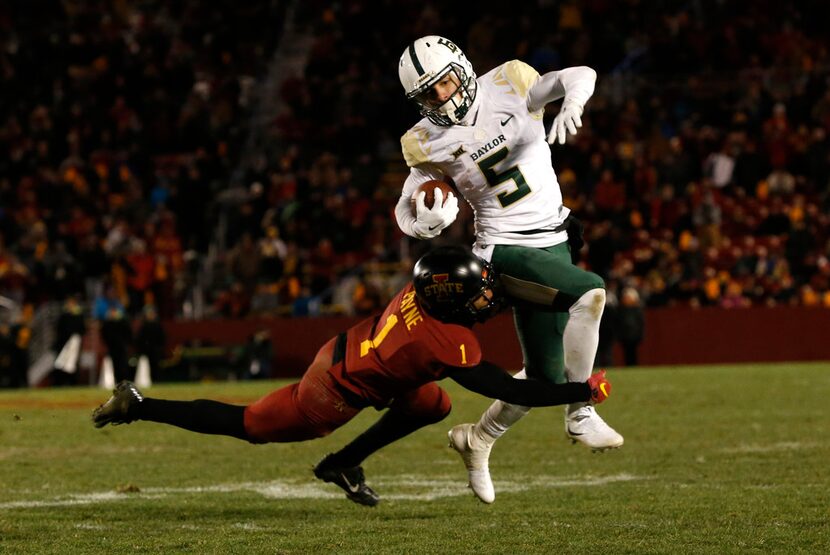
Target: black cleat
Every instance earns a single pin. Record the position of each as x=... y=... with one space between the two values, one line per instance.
x=120 y=408
x=349 y=479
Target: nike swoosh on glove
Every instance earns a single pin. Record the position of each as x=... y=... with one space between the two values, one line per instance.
x=567 y=121
x=429 y=222
x=600 y=387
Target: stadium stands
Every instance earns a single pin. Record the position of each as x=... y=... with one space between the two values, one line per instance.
x=126 y=158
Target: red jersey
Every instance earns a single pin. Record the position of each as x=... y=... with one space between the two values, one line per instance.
x=401 y=350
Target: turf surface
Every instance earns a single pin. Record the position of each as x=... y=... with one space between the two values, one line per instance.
x=717 y=459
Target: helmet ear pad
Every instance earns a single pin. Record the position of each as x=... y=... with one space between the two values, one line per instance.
x=448 y=280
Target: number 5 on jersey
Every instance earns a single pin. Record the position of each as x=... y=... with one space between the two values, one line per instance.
x=494 y=179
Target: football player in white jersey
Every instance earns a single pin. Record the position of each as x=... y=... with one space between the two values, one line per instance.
x=487 y=135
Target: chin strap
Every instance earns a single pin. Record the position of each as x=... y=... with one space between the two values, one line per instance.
x=471 y=116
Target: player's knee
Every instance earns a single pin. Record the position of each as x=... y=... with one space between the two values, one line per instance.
x=590 y=285
x=254 y=431
x=590 y=304
x=438 y=409
x=444 y=407
x=597 y=297
x=591 y=282
x=430 y=409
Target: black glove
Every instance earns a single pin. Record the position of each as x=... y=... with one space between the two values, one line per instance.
x=576 y=239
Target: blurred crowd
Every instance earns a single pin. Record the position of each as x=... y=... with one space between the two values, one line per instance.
x=702 y=171
x=119 y=122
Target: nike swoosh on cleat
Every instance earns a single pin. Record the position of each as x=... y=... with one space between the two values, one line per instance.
x=575 y=433
x=433 y=227
x=349 y=486
x=503 y=123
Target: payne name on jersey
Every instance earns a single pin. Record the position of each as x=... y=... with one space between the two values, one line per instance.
x=409 y=310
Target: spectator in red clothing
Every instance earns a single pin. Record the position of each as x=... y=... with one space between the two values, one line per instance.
x=168 y=244
x=233 y=302
x=609 y=195
x=79 y=226
x=665 y=210
x=244 y=262
x=645 y=177
x=141 y=274
x=777 y=136
x=322 y=266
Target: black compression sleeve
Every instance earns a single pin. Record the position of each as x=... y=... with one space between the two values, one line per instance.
x=491 y=381
x=202 y=415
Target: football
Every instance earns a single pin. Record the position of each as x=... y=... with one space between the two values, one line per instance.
x=429 y=187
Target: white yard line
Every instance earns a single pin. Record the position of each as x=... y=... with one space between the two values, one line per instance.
x=405 y=488
x=770 y=448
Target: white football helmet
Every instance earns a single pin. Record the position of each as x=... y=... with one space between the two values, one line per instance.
x=424 y=63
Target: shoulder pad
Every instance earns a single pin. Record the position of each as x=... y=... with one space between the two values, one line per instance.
x=414 y=146
x=516 y=74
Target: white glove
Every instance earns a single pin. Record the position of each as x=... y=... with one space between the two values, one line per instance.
x=430 y=221
x=568 y=119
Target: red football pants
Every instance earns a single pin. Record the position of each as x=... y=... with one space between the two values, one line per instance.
x=314 y=407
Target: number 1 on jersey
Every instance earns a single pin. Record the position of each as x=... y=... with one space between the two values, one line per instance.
x=368 y=344
x=463 y=354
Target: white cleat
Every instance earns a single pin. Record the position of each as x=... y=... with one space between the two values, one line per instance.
x=476 y=456
x=587 y=427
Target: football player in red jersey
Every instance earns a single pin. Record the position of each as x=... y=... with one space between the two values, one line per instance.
x=389 y=361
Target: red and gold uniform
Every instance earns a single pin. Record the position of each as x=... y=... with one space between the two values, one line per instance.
x=391 y=360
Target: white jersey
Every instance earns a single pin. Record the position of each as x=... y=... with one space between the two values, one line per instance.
x=501 y=163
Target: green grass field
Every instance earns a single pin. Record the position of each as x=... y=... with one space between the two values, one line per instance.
x=717 y=459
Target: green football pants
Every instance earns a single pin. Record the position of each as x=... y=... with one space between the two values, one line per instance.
x=537 y=279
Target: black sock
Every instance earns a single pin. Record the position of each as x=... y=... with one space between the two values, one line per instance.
x=392 y=426
x=202 y=415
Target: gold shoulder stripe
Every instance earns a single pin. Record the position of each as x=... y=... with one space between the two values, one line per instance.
x=499 y=78
x=413 y=146
x=521 y=76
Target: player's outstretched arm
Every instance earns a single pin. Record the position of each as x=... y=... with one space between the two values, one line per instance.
x=492 y=381
x=575 y=85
